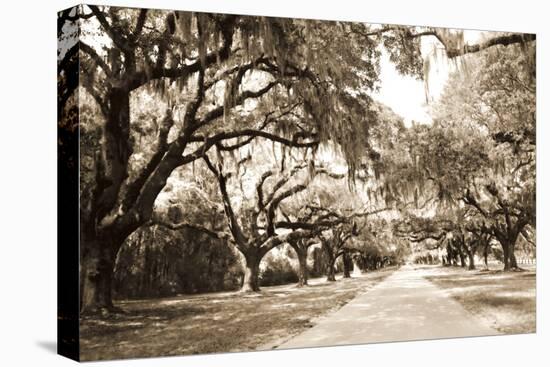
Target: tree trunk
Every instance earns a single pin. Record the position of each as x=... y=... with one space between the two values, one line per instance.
x=513 y=261
x=462 y=259
x=251 y=273
x=347 y=264
x=506 y=256
x=302 y=270
x=485 y=256
x=97 y=264
x=330 y=271
x=116 y=151
x=98 y=252
x=471 y=264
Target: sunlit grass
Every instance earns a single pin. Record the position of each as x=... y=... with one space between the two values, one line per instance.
x=217 y=322
x=506 y=300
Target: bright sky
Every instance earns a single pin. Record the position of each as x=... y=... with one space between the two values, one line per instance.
x=406 y=95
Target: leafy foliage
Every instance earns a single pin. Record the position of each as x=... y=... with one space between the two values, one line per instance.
x=162 y=92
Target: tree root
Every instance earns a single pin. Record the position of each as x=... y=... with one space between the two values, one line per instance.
x=103 y=311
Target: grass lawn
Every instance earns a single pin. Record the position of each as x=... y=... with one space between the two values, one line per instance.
x=506 y=300
x=216 y=322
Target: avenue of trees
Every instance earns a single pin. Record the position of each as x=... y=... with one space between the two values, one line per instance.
x=209 y=140
x=480 y=156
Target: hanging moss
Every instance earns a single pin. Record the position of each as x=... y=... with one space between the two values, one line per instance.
x=184 y=23
x=204 y=35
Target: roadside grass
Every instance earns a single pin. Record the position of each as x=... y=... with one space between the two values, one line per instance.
x=216 y=322
x=507 y=300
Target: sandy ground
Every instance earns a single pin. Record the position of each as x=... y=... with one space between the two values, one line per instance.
x=217 y=322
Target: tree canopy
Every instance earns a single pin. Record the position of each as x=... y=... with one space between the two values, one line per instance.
x=251 y=132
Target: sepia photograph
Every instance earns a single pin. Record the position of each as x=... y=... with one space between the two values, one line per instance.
x=235 y=183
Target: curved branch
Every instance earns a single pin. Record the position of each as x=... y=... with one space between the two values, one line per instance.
x=420 y=238
x=290 y=237
x=270 y=228
x=469 y=199
x=234 y=225
x=504 y=40
x=140 y=23
x=67 y=71
x=501 y=40
x=260 y=190
x=96 y=58
x=282 y=181
x=133 y=188
x=118 y=39
x=367 y=213
x=220 y=110
x=214 y=140
x=227 y=30
x=192 y=226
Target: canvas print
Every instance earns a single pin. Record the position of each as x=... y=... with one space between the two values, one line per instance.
x=234 y=183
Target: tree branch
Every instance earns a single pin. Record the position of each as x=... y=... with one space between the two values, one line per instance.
x=469 y=199
x=96 y=58
x=133 y=188
x=227 y=30
x=214 y=140
x=234 y=225
x=220 y=110
x=192 y=226
x=140 y=23
x=501 y=40
x=504 y=40
x=290 y=237
x=274 y=204
x=117 y=37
